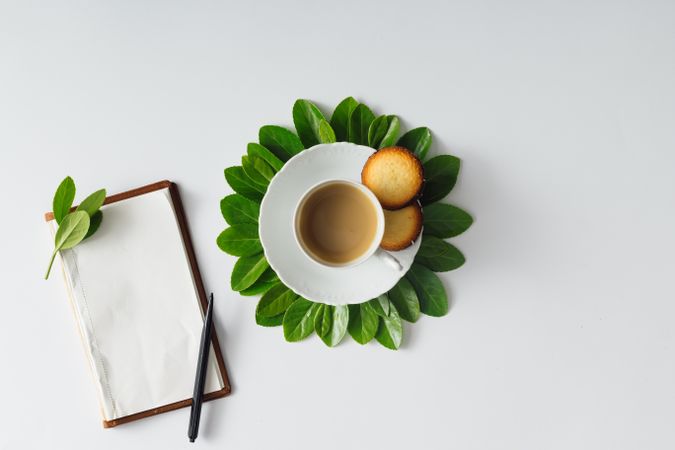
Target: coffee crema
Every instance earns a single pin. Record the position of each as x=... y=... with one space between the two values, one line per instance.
x=337 y=223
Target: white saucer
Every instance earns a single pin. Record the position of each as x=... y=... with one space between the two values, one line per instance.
x=335 y=286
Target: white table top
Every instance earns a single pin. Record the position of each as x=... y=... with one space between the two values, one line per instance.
x=560 y=333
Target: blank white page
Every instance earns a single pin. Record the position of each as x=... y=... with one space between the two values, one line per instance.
x=137 y=307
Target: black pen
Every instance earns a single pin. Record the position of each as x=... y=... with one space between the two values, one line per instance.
x=200 y=378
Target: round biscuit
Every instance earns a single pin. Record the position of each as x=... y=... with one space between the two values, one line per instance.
x=395 y=176
x=401 y=227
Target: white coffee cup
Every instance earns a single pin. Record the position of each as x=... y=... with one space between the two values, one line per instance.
x=373 y=250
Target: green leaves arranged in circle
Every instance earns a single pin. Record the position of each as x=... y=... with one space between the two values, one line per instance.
x=362 y=323
x=429 y=289
x=237 y=209
x=339 y=121
x=247 y=270
x=390 y=330
x=240 y=240
x=280 y=141
x=359 y=124
x=298 y=321
x=440 y=176
x=445 y=221
x=438 y=255
x=419 y=291
x=417 y=140
x=404 y=298
x=242 y=184
x=63 y=199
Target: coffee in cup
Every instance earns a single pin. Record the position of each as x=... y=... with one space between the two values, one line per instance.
x=340 y=223
x=337 y=223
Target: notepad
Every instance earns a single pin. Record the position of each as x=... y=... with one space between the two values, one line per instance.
x=138 y=301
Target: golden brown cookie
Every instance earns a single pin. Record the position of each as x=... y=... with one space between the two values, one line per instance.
x=401 y=227
x=394 y=175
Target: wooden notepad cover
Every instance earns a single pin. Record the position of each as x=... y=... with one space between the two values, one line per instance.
x=198 y=286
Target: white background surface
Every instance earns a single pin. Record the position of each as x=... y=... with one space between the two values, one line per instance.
x=560 y=333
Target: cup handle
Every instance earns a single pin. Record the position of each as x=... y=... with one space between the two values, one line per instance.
x=389 y=260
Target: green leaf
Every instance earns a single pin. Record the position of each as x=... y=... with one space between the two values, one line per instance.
x=262 y=167
x=269 y=275
x=376 y=131
x=269 y=321
x=252 y=172
x=63 y=199
x=273 y=321
x=307 y=119
x=94 y=223
x=393 y=127
x=72 y=230
x=242 y=184
x=362 y=323
x=259 y=287
x=390 y=330
x=339 y=121
x=92 y=203
x=280 y=141
x=72 y=227
x=429 y=289
x=276 y=301
x=240 y=240
x=339 y=320
x=380 y=305
x=247 y=270
x=323 y=322
x=254 y=149
x=267 y=280
x=238 y=209
x=326 y=133
x=404 y=298
x=438 y=255
x=299 y=320
x=417 y=140
x=445 y=221
x=440 y=176
x=359 y=123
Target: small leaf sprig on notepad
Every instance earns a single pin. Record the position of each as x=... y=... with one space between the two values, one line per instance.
x=77 y=225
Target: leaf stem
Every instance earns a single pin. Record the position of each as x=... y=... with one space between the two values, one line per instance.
x=51 y=261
